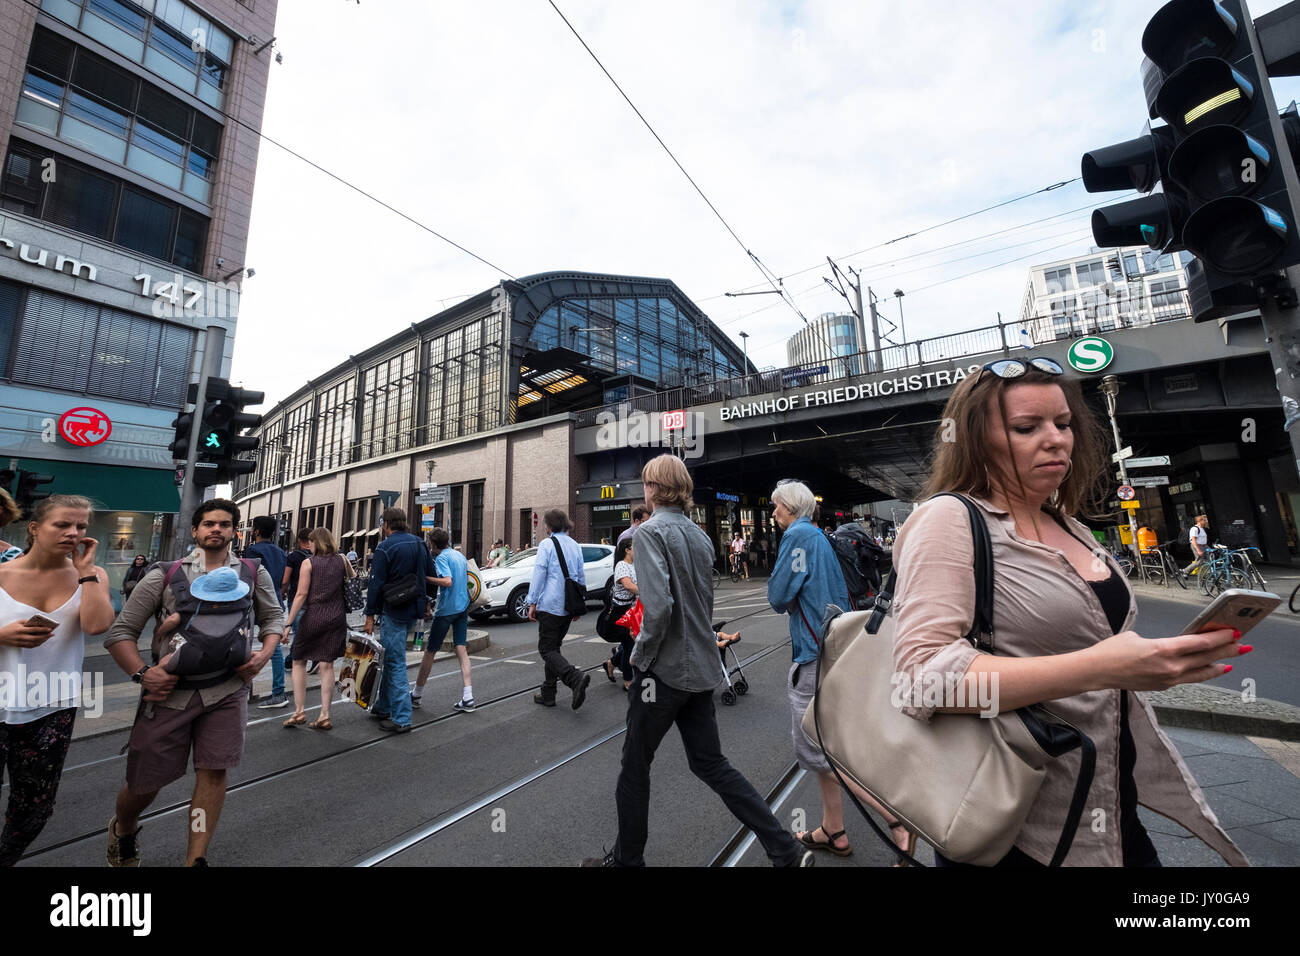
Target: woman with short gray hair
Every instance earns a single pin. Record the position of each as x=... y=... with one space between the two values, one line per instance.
x=796 y=498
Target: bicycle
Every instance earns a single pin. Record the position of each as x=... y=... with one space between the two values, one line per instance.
x=1163 y=565
x=1242 y=556
x=1220 y=573
x=717 y=578
x=1295 y=608
x=736 y=573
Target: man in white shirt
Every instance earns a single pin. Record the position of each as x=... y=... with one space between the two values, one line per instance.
x=1199 y=541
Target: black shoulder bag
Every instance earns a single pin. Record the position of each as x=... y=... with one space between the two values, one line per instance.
x=575 y=601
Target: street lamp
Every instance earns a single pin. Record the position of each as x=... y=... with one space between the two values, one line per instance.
x=1109 y=387
x=902 y=326
x=744 y=338
x=283 y=450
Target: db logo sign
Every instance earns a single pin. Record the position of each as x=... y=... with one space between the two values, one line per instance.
x=85 y=426
x=671 y=421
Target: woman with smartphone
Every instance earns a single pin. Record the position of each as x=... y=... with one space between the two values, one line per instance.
x=51 y=597
x=1019 y=441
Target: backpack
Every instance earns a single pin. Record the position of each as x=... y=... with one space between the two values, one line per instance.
x=863 y=562
x=213 y=638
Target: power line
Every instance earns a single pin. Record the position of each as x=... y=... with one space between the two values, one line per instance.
x=772 y=279
x=977 y=212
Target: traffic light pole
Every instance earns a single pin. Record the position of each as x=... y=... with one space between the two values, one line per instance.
x=213 y=347
x=1281 y=319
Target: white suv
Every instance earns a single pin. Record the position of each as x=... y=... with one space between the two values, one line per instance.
x=507 y=586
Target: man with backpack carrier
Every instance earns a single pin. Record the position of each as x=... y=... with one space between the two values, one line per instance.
x=196 y=693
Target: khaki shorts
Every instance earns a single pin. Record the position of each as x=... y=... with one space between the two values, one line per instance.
x=160 y=745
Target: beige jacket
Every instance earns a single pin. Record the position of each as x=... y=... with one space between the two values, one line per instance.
x=1041 y=606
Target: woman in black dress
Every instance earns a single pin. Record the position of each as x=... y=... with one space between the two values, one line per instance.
x=323 y=632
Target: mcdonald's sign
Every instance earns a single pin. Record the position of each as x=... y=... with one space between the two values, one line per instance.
x=607 y=491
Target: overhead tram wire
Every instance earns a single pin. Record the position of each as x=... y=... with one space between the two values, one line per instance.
x=931 y=285
x=940 y=225
x=772 y=279
x=355 y=188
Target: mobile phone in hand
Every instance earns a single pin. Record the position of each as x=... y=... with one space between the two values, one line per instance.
x=40 y=620
x=1236 y=609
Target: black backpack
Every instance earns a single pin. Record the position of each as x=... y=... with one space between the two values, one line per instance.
x=214 y=638
x=863 y=562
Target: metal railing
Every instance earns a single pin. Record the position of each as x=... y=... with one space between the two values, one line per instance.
x=1003 y=338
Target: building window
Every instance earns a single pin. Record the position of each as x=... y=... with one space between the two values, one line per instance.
x=103 y=207
x=334 y=435
x=298 y=437
x=75 y=345
x=1091 y=273
x=169 y=37
x=83 y=99
x=1166 y=293
x=1059 y=280
x=388 y=406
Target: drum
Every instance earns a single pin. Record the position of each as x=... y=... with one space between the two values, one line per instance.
x=363 y=668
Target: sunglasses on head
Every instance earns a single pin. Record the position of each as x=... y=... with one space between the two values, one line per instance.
x=1014 y=368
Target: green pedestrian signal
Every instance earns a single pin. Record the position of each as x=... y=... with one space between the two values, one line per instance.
x=213 y=441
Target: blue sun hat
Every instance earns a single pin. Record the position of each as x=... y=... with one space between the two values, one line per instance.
x=219 y=586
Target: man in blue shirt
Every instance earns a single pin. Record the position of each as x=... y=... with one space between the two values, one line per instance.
x=400 y=557
x=546 y=607
x=274 y=560
x=452 y=615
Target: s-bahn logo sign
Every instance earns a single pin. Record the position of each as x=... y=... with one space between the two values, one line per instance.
x=85 y=426
x=1090 y=354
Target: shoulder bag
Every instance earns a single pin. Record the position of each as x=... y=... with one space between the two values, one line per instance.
x=575 y=602
x=354 y=596
x=401 y=591
x=964 y=783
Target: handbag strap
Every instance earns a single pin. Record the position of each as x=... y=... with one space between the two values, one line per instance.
x=559 y=553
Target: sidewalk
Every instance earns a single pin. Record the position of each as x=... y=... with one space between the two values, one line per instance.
x=1281 y=579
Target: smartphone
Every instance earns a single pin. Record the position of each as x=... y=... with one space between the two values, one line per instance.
x=1235 y=608
x=40 y=620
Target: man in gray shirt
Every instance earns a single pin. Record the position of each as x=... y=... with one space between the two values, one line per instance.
x=676 y=668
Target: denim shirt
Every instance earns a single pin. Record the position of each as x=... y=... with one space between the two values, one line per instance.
x=805 y=579
x=547 y=587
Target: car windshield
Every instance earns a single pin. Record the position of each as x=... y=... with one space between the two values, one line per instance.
x=523 y=557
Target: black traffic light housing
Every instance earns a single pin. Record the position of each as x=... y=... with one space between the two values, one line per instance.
x=29 y=490
x=1224 y=196
x=220 y=422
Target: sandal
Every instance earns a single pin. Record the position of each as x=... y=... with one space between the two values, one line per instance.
x=609 y=669
x=829 y=845
x=909 y=847
x=321 y=723
x=299 y=718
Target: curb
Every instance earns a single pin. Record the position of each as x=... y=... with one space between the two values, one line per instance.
x=1198 y=707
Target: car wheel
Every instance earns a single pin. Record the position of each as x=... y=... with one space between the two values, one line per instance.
x=517 y=605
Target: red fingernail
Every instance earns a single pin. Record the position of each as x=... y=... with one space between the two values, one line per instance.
x=1227 y=668
x=1246 y=648
x=1236 y=634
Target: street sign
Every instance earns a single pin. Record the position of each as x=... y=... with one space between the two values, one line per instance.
x=434 y=496
x=1126 y=493
x=426 y=486
x=1121 y=455
x=1154 y=461
x=1154 y=481
x=389 y=498
x=1133 y=505
x=1090 y=354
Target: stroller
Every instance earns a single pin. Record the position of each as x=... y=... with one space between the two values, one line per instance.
x=741 y=686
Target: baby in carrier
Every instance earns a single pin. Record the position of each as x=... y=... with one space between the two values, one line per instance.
x=215 y=634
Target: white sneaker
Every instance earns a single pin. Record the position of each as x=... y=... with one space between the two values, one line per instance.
x=464 y=705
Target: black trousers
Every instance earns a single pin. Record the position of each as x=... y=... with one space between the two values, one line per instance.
x=653 y=707
x=34 y=754
x=551 y=629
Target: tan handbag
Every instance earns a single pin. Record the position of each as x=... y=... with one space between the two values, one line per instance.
x=963 y=783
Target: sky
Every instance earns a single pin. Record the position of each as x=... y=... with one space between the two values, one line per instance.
x=819 y=128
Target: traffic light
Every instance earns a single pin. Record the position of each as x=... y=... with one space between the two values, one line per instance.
x=1219 y=158
x=223 y=420
x=180 y=446
x=29 y=490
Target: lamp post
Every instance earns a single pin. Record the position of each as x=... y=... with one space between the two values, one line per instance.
x=283 y=450
x=1109 y=387
x=744 y=339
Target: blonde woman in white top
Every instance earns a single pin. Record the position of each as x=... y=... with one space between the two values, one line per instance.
x=51 y=597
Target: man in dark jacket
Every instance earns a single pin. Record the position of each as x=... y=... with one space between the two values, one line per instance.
x=273 y=559
x=400 y=558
